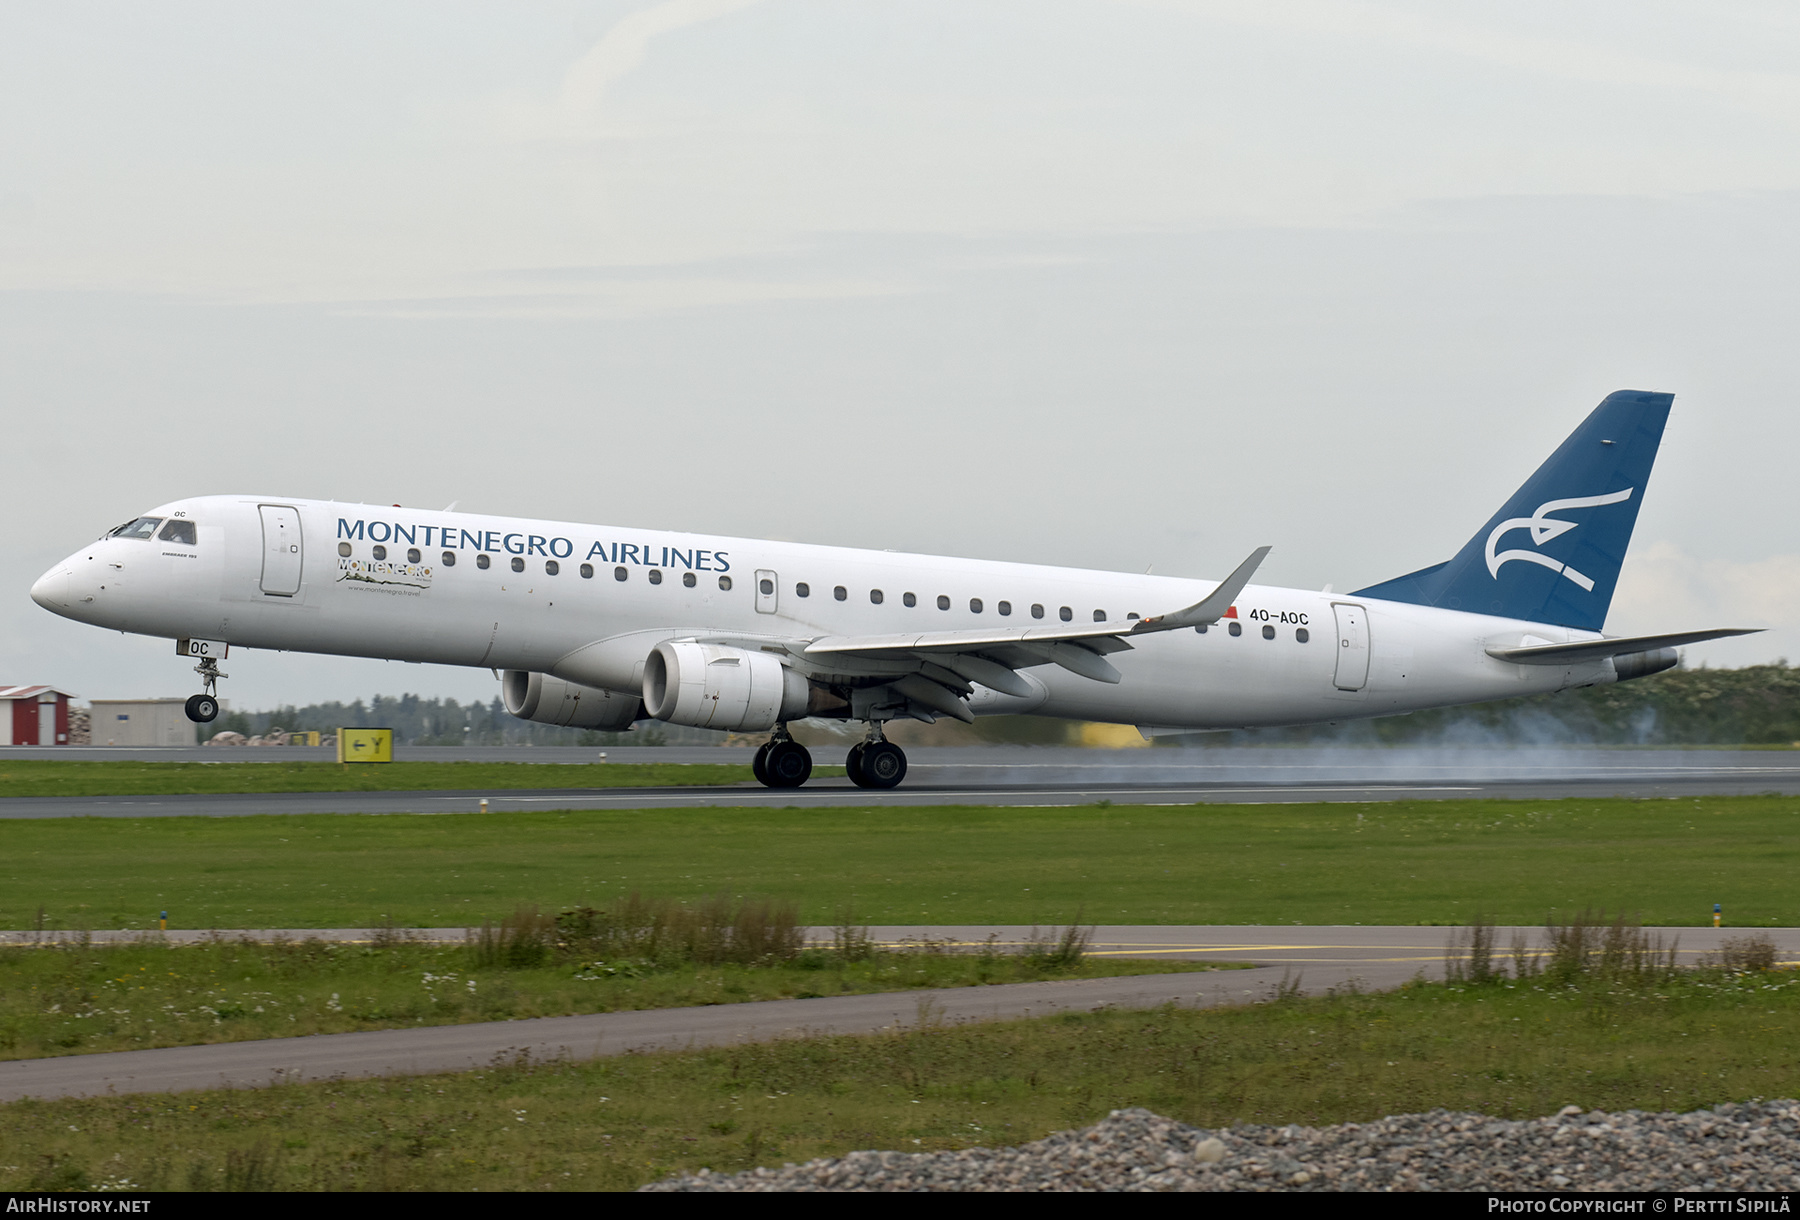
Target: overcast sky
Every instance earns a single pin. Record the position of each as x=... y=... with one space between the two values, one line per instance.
x=1102 y=284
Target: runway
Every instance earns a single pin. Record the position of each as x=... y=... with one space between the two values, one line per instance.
x=1295 y=960
x=1002 y=776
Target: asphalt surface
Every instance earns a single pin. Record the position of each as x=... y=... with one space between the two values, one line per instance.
x=1304 y=960
x=1000 y=776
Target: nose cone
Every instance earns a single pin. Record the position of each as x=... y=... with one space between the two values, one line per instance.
x=52 y=590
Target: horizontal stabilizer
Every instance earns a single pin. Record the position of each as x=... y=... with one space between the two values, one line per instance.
x=1596 y=650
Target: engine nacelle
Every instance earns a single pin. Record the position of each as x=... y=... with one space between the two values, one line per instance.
x=711 y=686
x=547 y=700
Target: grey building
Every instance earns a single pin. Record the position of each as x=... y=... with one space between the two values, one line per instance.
x=141 y=722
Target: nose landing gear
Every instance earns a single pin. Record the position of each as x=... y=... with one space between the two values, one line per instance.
x=204 y=708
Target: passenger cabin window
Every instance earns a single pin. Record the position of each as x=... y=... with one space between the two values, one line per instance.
x=1236 y=628
x=179 y=531
x=449 y=559
x=1302 y=635
x=725 y=583
x=910 y=599
x=1065 y=614
x=800 y=590
x=687 y=579
x=943 y=602
x=1268 y=632
x=765 y=586
x=840 y=592
x=620 y=573
x=1201 y=629
x=482 y=561
x=587 y=571
x=518 y=563
x=412 y=554
x=655 y=576
x=875 y=595
x=143 y=527
x=1037 y=611
x=380 y=552
x=974 y=605
x=551 y=567
x=1005 y=608
x=1099 y=616
x=344 y=549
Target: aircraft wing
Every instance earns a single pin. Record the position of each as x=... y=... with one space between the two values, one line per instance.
x=1596 y=650
x=990 y=656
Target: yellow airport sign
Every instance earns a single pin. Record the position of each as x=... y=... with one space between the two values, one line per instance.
x=365 y=745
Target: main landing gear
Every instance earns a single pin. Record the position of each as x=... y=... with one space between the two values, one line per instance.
x=784 y=763
x=876 y=762
x=204 y=709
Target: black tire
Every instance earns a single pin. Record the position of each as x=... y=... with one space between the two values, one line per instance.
x=788 y=765
x=853 y=764
x=759 y=764
x=883 y=765
x=202 y=709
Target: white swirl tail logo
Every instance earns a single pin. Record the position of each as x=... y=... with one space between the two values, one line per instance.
x=1543 y=528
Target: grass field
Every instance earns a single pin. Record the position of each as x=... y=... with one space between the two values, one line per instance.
x=1509 y=1050
x=77 y=1000
x=1423 y=862
x=32 y=777
x=1517 y=1049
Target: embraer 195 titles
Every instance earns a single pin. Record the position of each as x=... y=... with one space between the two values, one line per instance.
x=600 y=628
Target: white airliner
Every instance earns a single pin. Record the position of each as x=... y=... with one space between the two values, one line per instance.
x=599 y=627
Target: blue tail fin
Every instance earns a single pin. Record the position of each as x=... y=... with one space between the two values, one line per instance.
x=1552 y=554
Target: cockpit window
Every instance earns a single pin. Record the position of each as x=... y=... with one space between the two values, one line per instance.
x=179 y=531
x=143 y=527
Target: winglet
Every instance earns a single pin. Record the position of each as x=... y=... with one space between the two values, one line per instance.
x=1215 y=604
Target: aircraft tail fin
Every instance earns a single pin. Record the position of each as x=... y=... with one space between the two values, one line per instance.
x=1552 y=553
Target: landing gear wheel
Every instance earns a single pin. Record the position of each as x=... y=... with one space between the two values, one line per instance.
x=788 y=765
x=853 y=764
x=883 y=765
x=202 y=709
x=759 y=764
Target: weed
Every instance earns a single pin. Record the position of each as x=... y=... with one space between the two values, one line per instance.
x=665 y=932
x=523 y=940
x=1057 y=951
x=389 y=935
x=850 y=940
x=1743 y=954
x=251 y=1169
x=1469 y=958
x=1584 y=946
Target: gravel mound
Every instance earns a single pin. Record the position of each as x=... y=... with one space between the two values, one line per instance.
x=1755 y=1146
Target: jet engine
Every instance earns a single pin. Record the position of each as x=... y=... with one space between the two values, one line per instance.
x=711 y=686
x=550 y=700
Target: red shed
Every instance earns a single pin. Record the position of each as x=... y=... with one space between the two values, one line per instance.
x=34 y=716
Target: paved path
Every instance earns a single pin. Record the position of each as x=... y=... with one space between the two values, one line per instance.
x=1309 y=960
